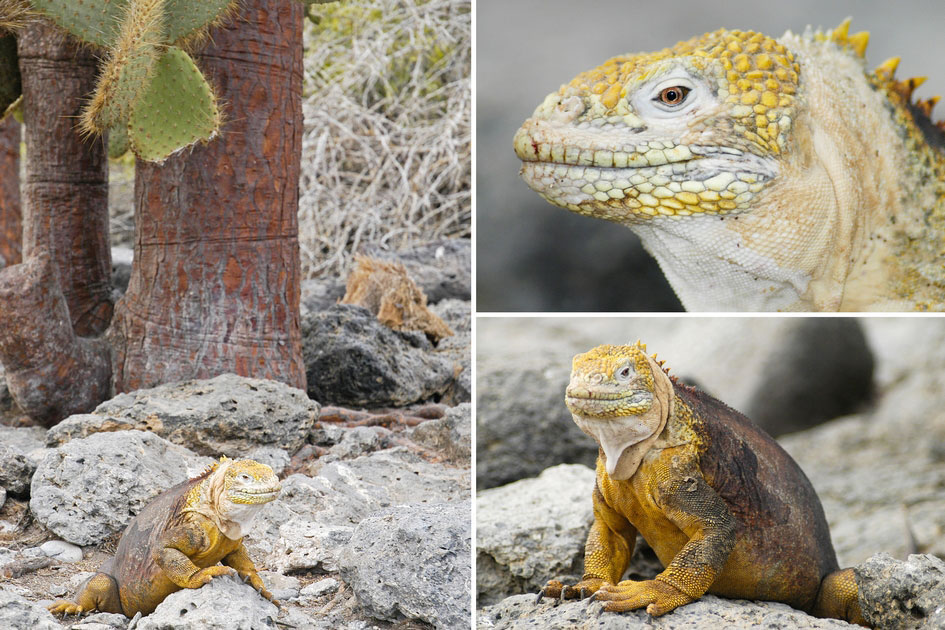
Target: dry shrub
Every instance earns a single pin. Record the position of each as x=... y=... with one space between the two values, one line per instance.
x=386 y=148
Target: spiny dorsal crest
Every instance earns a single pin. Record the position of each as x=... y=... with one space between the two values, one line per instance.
x=642 y=347
x=209 y=470
x=885 y=72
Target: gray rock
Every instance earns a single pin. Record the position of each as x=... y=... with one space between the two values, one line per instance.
x=320 y=294
x=450 y=435
x=3 y=496
x=425 y=573
x=352 y=359
x=359 y=441
x=315 y=516
x=531 y=531
x=89 y=488
x=457 y=348
x=223 y=604
x=274 y=457
x=62 y=551
x=122 y=259
x=325 y=586
x=30 y=441
x=16 y=469
x=520 y=612
x=442 y=269
x=792 y=392
x=18 y=613
x=227 y=415
x=102 y=621
x=522 y=425
x=282 y=587
x=8 y=406
x=897 y=594
x=879 y=475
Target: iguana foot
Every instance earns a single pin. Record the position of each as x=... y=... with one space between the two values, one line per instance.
x=659 y=597
x=65 y=607
x=203 y=576
x=560 y=591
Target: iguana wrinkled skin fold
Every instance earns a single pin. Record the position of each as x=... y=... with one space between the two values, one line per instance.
x=762 y=174
x=179 y=538
x=726 y=509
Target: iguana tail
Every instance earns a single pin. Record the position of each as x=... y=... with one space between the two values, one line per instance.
x=837 y=598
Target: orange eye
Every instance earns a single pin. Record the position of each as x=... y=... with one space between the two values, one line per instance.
x=673 y=95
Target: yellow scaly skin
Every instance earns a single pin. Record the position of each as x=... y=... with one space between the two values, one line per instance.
x=761 y=173
x=726 y=509
x=179 y=538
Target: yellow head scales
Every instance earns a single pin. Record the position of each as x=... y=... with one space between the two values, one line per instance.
x=602 y=386
x=752 y=81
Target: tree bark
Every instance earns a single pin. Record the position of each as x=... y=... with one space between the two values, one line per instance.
x=65 y=193
x=51 y=372
x=11 y=223
x=216 y=277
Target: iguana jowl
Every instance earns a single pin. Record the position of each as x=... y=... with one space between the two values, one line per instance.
x=179 y=538
x=726 y=509
x=761 y=173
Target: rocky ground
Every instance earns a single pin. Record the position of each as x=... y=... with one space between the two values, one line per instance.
x=879 y=470
x=372 y=528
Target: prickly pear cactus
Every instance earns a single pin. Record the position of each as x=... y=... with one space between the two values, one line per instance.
x=150 y=96
x=177 y=91
x=92 y=21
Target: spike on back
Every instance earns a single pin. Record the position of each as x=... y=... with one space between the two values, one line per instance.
x=887 y=69
x=841 y=33
x=858 y=42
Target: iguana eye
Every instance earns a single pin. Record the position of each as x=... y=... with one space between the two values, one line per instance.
x=624 y=373
x=673 y=96
x=245 y=478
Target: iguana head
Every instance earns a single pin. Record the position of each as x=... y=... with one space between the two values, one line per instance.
x=622 y=398
x=232 y=493
x=692 y=129
x=761 y=173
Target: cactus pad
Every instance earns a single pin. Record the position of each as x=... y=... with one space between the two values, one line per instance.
x=117 y=141
x=128 y=68
x=92 y=21
x=177 y=109
x=186 y=19
x=9 y=73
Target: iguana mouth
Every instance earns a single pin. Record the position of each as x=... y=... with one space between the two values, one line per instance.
x=255 y=496
x=627 y=177
x=599 y=404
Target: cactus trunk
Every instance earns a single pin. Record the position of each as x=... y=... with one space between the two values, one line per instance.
x=65 y=192
x=216 y=277
x=11 y=224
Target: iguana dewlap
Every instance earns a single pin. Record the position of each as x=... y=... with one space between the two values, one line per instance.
x=762 y=174
x=726 y=509
x=179 y=538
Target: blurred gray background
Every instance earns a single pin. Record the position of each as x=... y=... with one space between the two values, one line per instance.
x=532 y=256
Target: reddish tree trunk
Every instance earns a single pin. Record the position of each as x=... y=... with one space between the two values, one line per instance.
x=65 y=194
x=216 y=277
x=11 y=224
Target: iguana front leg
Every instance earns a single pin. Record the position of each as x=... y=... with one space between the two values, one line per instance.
x=243 y=564
x=700 y=513
x=174 y=553
x=606 y=553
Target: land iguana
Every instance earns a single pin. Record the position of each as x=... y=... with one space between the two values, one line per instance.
x=726 y=509
x=762 y=174
x=179 y=538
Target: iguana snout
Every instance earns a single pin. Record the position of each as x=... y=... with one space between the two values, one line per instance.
x=619 y=396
